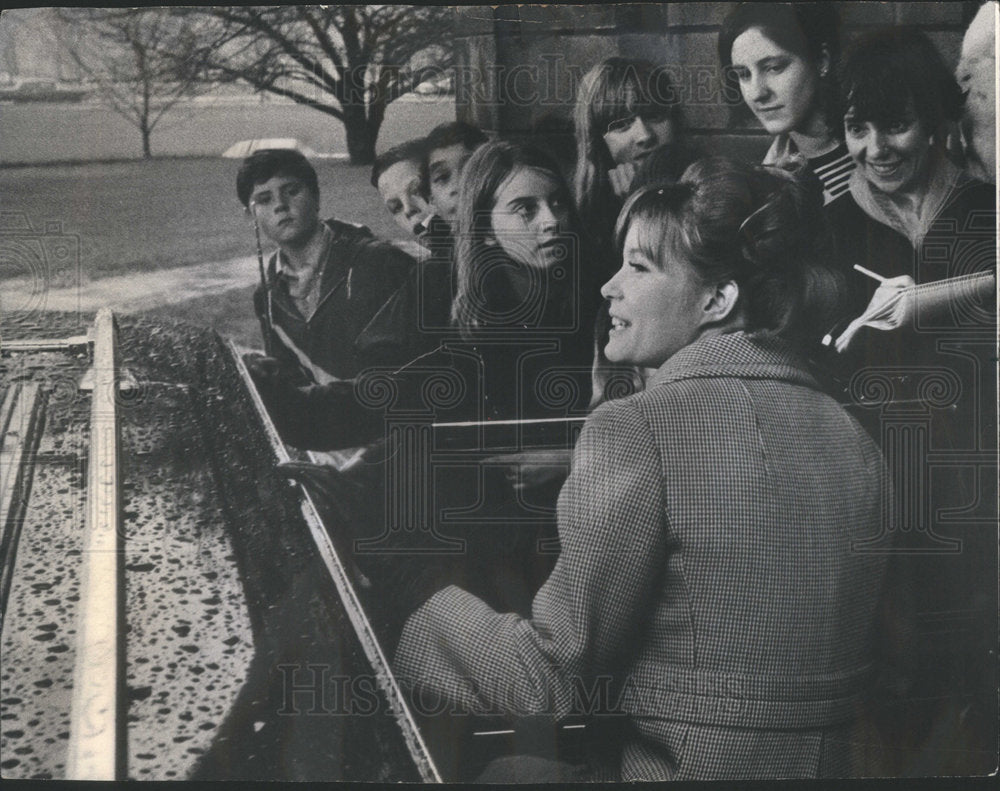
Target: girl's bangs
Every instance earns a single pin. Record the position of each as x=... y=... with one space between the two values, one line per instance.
x=659 y=231
x=881 y=101
x=616 y=101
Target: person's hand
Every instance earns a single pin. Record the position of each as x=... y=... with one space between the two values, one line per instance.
x=621 y=179
x=262 y=367
x=892 y=306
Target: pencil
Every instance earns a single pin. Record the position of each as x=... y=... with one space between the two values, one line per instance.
x=872 y=275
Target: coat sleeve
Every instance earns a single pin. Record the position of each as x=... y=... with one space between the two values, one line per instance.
x=322 y=417
x=613 y=551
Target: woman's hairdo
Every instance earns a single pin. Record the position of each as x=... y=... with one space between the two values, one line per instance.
x=889 y=72
x=762 y=227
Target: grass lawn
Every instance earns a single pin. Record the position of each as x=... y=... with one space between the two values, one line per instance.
x=145 y=215
x=139 y=216
x=148 y=215
x=230 y=314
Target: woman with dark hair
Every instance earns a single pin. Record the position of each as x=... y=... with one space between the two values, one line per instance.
x=782 y=59
x=625 y=110
x=900 y=99
x=706 y=589
x=938 y=298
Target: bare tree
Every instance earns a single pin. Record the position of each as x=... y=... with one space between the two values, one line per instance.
x=347 y=61
x=142 y=61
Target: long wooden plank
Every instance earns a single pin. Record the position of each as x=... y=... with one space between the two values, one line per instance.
x=352 y=605
x=96 y=728
x=45 y=344
x=8 y=471
x=19 y=424
x=16 y=421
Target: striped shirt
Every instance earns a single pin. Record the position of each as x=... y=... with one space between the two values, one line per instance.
x=833 y=168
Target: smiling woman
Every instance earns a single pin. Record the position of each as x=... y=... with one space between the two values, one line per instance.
x=714 y=504
x=659 y=304
x=729 y=248
x=899 y=97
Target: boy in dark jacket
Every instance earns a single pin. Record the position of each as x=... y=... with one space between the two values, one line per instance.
x=325 y=284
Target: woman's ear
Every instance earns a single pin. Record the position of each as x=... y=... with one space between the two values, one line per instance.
x=721 y=302
x=824 y=61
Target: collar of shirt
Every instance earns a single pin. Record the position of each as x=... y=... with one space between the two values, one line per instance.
x=316 y=272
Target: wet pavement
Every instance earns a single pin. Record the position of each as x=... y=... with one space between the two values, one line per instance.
x=224 y=594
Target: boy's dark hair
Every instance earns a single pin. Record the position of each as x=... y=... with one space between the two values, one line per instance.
x=410 y=151
x=452 y=133
x=267 y=163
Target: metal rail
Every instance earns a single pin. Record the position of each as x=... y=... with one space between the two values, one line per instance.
x=362 y=626
x=97 y=729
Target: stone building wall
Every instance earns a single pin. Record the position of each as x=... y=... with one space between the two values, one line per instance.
x=519 y=65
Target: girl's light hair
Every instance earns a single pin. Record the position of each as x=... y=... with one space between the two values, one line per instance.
x=614 y=88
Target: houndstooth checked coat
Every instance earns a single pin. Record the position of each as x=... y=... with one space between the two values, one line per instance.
x=706 y=566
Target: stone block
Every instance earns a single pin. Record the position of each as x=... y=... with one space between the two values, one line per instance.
x=708 y=117
x=929 y=14
x=866 y=14
x=546 y=19
x=684 y=14
x=473 y=20
x=541 y=72
x=644 y=18
x=870 y=14
x=749 y=148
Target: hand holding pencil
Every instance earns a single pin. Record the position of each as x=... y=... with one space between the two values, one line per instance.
x=891 y=306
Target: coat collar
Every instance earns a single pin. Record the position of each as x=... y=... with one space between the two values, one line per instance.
x=736 y=354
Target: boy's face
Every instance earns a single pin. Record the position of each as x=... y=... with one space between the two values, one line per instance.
x=287 y=211
x=444 y=166
x=399 y=186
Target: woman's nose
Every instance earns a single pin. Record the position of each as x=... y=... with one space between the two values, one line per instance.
x=610 y=289
x=641 y=131
x=877 y=143
x=759 y=89
x=546 y=219
x=410 y=207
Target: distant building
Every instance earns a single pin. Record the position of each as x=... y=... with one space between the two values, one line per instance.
x=30 y=47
